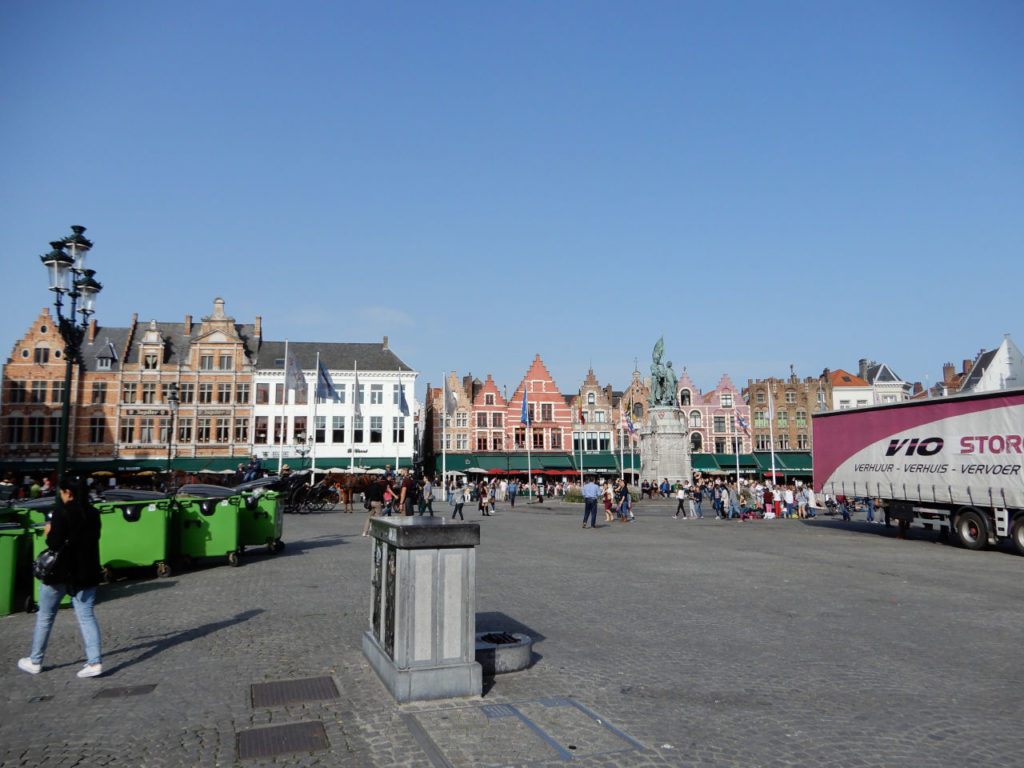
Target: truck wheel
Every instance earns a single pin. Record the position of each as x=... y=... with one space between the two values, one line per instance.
x=1017 y=533
x=971 y=530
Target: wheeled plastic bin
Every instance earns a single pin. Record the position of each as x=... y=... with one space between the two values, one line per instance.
x=261 y=521
x=207 y=527
x=13 y=557
x=135 y=534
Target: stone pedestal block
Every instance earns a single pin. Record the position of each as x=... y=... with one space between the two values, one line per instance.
x=422 y=636
x=665 y=446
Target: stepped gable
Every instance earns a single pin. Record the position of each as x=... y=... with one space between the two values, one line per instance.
x=489 y=388
x=542 y=390
x=725 y=384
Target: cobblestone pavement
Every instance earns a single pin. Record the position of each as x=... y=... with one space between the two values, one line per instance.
x=658 y=642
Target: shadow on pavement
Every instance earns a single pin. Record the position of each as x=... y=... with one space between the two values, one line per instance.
x=496 y=621
x=161 y=643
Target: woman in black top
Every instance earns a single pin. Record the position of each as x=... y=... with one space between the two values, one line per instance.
x=74 y=530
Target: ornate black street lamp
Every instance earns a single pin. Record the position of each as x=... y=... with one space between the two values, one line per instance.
x=172 y=403
x=65 y=264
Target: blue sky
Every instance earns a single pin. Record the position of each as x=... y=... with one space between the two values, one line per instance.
x=766 y=184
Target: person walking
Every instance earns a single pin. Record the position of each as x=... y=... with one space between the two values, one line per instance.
x=680 y=503
x=590 y=494
x=374 y=495
x=74 y=531
x=407 y=494
x=513 y=487
x=459 y=498
x=607 y=497
x=427 y=497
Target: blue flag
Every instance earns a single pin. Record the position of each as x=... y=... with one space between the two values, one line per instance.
x=526 y=410
x=324 y=386
x=403 y=406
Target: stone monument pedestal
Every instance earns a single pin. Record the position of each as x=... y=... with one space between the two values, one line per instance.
x=665 y=447
x=422 y=636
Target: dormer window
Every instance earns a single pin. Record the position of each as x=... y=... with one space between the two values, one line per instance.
x=103 y=363
x=150 y=362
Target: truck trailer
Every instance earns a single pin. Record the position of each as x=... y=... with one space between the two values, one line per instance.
x=951 y=463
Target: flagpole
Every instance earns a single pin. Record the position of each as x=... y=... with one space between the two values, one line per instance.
x=398 y=452
x=444 y=425
x=312 y=445
x=284 y=419
x=529 y=426
x=622 y=449
x=355 y=407
x=736 y=447
x=771 y=428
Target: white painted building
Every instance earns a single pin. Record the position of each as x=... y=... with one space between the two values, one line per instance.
x=295 y=427
x=849 y=391
x=1000 y=368
x=886 y=386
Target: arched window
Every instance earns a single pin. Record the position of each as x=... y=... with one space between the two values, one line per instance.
x=590 y=398
x=696 y=443
x=684 y=397
x=638 y=411
x=695 y=420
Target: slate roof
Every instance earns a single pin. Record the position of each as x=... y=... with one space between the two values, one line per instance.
x=335 y=356
x=878 y=373
x=978 y=370
x=176 y=343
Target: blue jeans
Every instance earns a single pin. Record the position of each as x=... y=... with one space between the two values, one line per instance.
x=734 y=511
x=590 y=510
x=700 y=512
x=49 y=602
x=871 y=510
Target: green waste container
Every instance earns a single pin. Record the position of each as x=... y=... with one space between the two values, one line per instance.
x=135 y=534
x=261 y=521
x=207 y=527
x=13 y=556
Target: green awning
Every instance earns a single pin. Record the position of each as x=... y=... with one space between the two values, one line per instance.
x=786 y=462
x=604 y=460
x=630 y=462
x=704 y=462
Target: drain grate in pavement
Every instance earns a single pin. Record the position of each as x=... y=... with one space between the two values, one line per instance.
x=280 y=739
x=131 y=690
x=498 y=710
x=293 y=691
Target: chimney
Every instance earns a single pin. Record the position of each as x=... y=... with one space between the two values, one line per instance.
x=258 y=330
x=188 y=325
x=948 y=372
x=918 y=389
x=967 y=366
x=92 y=330
x=385 y=345
x=862 y=368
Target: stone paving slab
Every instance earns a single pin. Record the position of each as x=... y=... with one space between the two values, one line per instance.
x=766 y=643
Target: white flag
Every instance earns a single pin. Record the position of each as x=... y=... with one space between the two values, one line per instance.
x=451 y=402
x=293 y=376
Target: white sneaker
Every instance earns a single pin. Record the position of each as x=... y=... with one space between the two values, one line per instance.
x=91 y=670
x=26 y=665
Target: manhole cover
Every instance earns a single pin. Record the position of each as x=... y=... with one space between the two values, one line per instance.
x=280 y=739
x=293 y=691
x=131 y=690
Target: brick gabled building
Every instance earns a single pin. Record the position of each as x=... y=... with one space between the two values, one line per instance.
x=550 y=416
x=120 y=412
